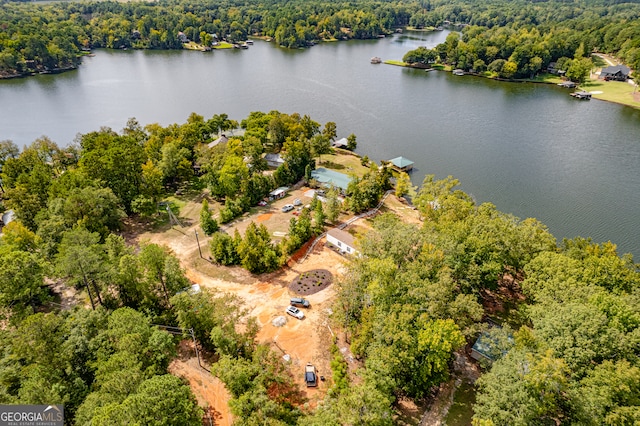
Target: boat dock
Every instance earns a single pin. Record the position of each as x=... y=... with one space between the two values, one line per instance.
x=581 y=95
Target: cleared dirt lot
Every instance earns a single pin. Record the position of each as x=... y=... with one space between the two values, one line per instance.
x=265 y=296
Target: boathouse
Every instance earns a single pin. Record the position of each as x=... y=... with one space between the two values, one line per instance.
x=401 y=164
x=568 y=84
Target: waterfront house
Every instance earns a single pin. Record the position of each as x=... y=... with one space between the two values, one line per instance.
x=182 y=37
x=401 y=164
x=342 y=240
x=617 y=73
x=340 y=143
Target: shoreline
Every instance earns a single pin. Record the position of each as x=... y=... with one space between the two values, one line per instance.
x=33 y=73
x=506 y=80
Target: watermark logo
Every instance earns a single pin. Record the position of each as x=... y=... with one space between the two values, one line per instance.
x=31 y=415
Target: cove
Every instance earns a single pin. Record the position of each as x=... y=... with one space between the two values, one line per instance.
x=530 y=149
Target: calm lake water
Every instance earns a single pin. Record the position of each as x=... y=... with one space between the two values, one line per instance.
x=532 y=150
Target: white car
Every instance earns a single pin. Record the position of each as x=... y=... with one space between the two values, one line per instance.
x=297 y=202
x=287 y=208
x=294 y=312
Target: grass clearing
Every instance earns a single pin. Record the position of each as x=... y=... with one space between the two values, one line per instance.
x=223 y=45
x=343 y=163
x=614 y=91
x=546 y=78
x=461 y=410
x=397 y=63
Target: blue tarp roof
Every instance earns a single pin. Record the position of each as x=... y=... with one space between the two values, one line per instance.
x=330 y=177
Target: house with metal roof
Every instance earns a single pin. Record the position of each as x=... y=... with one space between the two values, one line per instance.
x=341 y=240
x=274 y=160
x=331 y=178
x=401 y=164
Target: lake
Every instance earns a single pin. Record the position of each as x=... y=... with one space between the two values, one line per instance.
x=532 y=150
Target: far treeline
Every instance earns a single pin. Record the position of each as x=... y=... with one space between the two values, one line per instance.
x=525 y=35
x=567 y=351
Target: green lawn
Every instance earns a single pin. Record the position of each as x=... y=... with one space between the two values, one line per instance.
x=223 y=45
x=613 y=91
x=398 y=63
x=343 y=163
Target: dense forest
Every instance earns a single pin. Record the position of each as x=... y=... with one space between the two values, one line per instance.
x=515 y=39
x=565 y=353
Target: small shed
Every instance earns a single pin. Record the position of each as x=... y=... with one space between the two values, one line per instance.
x=481 y=349
x=278 y=193
x=344 y=241
x=616 y=72
x=340 y=143
x=274 y=160
x=488 y=348
x=401 y=164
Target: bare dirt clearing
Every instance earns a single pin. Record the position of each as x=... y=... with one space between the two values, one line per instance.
x=209 y=390
x=265 y=296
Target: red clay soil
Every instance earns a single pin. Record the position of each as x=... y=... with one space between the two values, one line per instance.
x=209 y=390
x=264 y=217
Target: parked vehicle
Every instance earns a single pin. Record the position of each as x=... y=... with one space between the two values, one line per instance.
x=299 y=301
x=287 y=208
x=262 y=203
x=294 y=312
x=297 y=202
x=310 y=376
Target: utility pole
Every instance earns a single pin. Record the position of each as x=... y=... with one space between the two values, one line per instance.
x=200 y=250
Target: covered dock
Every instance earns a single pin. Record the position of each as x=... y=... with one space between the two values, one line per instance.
x=401 y=164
